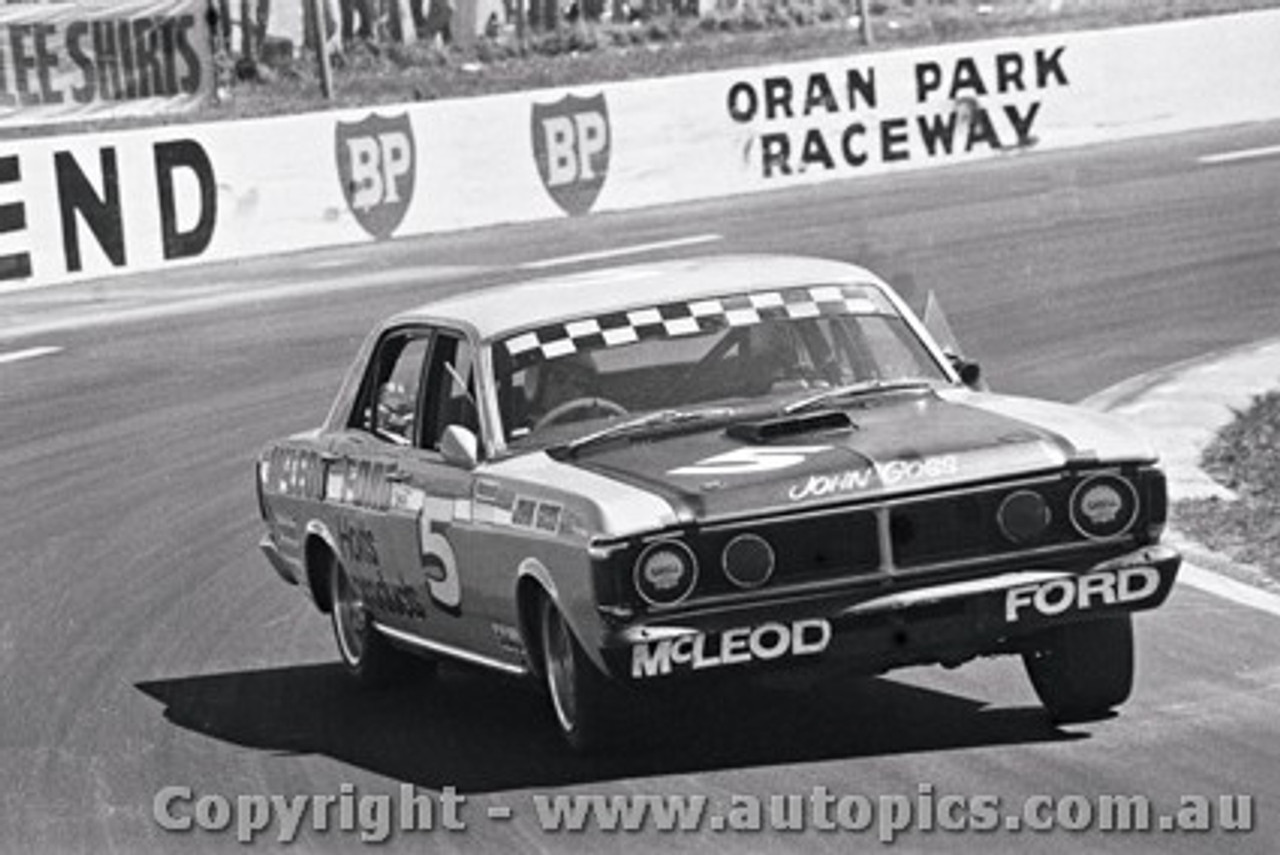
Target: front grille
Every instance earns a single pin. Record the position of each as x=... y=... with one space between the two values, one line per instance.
x=955 y=532
x=954 y=528
x=807 y=549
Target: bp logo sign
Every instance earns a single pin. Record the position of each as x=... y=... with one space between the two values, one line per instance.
x=376 y=160
x=571 y=142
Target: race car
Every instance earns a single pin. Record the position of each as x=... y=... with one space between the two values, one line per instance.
x=620 y=481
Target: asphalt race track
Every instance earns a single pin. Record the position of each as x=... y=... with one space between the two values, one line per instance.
x=144 y=643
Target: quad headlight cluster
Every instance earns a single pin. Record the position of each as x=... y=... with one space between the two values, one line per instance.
x=1023 y=516
x=1100 y=507
x=1104 y=505
x=666 y=571
x=748 y=561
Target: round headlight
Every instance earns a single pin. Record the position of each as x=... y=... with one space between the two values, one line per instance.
x=665 y=573
x=1023 y=516
x=748 y=561
x=1103 y=506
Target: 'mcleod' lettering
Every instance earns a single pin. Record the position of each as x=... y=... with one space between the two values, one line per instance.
x=738 y=646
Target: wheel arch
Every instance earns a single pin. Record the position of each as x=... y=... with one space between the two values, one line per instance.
x=319 y=555
x=533 y=584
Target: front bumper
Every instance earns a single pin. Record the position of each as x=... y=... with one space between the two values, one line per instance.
x=945 y=623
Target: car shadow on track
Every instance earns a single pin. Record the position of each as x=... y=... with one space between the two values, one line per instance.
x=479 y=734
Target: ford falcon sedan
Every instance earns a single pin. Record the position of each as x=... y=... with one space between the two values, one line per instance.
x=616 y=482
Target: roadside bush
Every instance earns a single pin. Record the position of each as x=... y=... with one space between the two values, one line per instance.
x=580 y=38
x=1243 y=456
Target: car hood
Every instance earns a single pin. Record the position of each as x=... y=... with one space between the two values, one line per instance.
x=891 y=444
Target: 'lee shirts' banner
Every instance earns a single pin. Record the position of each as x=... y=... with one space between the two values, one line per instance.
x=68 y=60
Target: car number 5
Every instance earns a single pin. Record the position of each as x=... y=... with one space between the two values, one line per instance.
x=438 y=560
x=750 y=461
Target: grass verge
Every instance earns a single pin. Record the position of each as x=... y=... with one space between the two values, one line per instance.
x=1244 y=457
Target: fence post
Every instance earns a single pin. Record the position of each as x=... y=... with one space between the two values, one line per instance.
x=864 y=22
x=246 y=31
x=320 y=32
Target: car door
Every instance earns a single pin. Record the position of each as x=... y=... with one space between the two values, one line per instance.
x=365 y=476
x=430 y=501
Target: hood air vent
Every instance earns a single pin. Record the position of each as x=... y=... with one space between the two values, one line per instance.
x=822 y=421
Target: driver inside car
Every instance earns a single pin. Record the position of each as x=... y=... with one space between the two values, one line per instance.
x=773 y=363
x=556 y=382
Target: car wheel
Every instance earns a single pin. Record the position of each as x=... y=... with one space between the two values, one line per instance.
x=582 y=698
x=1081 y=671
x=366 y=654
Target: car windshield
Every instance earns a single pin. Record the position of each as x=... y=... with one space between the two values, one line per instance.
x=704 y=359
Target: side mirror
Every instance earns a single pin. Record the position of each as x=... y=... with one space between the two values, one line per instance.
x=460 y=447
x=970 y=372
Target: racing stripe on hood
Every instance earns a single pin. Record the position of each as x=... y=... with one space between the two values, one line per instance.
x=624 y=509
x=1083 y=434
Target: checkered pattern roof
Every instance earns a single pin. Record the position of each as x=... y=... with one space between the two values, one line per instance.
x=689 y=318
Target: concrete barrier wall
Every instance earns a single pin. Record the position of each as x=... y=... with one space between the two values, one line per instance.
x=88 y=206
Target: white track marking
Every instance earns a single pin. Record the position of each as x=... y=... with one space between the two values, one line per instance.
x=29 y=353
x=222 y=295
x=1229 y=589
x=1243 y=154
x=620 y=251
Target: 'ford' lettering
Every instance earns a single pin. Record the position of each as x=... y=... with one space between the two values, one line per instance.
x=1090 y=591
x=762 y=643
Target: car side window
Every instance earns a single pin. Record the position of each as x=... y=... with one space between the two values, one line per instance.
x=389 y=400
x=450 y=390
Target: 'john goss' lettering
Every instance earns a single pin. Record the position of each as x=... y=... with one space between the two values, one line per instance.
x=886 y=474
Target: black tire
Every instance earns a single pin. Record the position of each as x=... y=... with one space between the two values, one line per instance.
x=1081 y=671
x=583 y=700
x=365 y=653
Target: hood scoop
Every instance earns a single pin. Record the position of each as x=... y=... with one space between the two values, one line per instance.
x=780 y=427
